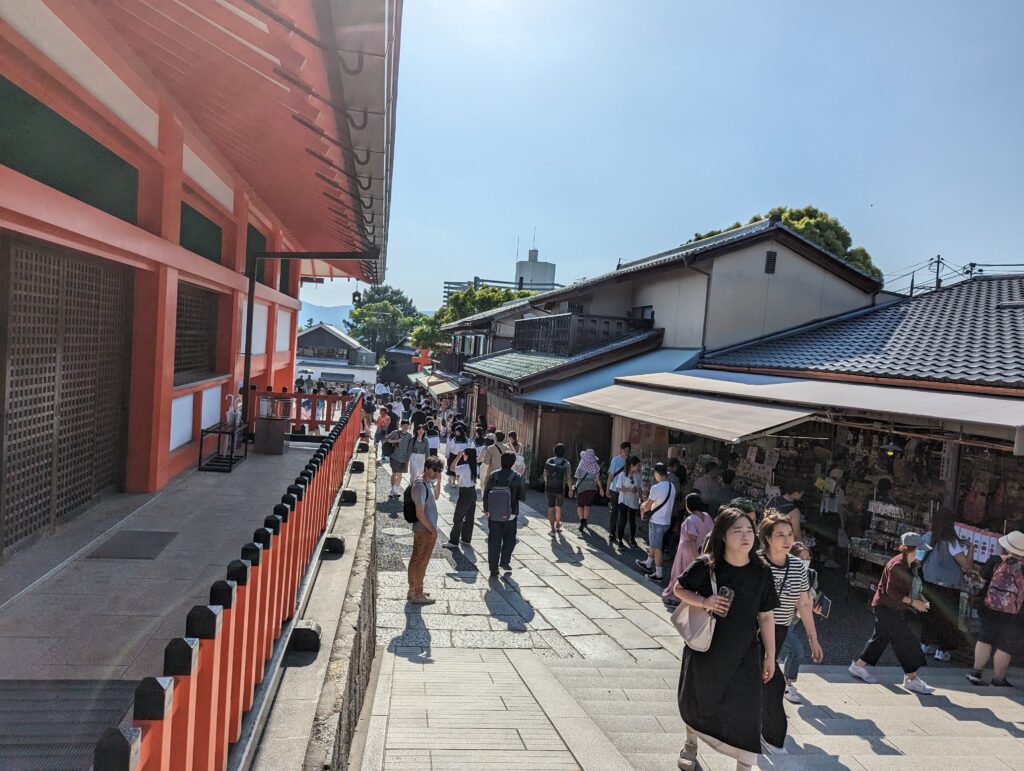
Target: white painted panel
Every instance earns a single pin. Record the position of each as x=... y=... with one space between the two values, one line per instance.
x=242 y=14
x=181 y=421
x=259 y=328
x=207 y=178
x=211 y=406
x=284 y=330
x=44 y=29
x=241 y=338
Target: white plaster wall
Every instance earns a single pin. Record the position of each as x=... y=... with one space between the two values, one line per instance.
x=212 y=406
x=746 y=302
x=677 y=296
x=283 y=341
x=260 y=317
x=181 y=421
x=609 y=300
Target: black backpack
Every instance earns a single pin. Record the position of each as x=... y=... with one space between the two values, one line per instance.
x=408 y=504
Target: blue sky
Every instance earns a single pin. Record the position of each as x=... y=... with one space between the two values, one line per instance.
x=619 y=129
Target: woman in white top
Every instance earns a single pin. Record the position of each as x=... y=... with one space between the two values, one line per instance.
x=943 y=573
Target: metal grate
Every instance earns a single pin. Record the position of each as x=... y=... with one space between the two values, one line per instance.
x=68 y=354
x=195 y=333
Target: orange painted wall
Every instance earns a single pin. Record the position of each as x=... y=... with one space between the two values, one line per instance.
x=151 y=249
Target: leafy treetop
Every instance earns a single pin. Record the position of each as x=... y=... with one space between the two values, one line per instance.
x=818 y=227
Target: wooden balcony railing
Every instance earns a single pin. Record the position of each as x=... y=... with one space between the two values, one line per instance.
x=451 y=361
x=567 y=334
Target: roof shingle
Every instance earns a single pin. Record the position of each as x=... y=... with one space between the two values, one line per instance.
x=954 y=335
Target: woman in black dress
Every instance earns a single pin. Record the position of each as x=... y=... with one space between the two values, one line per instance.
x=720 y=690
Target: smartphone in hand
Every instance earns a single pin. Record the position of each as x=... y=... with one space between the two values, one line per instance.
x=727 y=593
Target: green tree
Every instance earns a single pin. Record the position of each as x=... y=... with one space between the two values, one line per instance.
x=384 y=293
x=380 y=325
x=428 y=333
x=816 y=226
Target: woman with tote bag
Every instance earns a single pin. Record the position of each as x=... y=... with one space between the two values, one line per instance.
x=720 y=687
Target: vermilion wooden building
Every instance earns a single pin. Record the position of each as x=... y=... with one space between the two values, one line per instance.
x=146 y=146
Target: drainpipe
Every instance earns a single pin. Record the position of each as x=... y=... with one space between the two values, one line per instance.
x=707 y=302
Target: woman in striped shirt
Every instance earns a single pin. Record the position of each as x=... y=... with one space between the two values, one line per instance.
x=793 y=588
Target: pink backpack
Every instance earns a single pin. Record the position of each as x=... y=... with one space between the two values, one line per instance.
x=1006 y=590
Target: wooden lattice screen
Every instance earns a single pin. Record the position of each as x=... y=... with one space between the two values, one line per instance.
x=67 y=357
x=195 y=334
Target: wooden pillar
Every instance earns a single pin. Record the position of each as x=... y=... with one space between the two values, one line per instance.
x=149 y=410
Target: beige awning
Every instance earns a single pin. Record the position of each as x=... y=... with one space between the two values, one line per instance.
x=728 y=420
x=440 y=389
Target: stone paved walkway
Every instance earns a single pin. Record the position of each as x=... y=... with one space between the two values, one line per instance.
x=570 y=662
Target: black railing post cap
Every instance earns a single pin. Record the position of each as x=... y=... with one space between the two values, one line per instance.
x=223 y=593
x=252 y=553
x=153 y=698
x=298 y=492
x=264 y=537
x=289 y=500
x=238 y=571
x=204 y=621
x=181 y=656
x=283 y=511
x=118 y=750
x=273 y=522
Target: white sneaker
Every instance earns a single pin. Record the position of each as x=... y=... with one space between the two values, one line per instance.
x=792 y=695
x=917 y=685
x=861 y=673
x=927 y=650
x=941 y=655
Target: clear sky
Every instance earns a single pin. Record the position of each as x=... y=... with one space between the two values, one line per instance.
x=618 y=129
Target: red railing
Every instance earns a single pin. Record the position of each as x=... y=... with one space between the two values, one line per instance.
x=189 y=717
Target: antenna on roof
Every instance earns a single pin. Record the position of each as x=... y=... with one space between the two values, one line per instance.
x=912 y=276
x=534 y=236
x=517 y=247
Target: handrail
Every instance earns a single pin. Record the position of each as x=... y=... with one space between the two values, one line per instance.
x=209 y=696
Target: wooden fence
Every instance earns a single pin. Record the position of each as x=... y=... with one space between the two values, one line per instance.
x=188 y=717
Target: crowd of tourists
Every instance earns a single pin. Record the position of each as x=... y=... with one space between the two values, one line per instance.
x=737 y=578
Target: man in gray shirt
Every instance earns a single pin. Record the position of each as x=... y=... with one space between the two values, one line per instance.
x=424 y=530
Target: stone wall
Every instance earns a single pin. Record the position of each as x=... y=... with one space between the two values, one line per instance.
x=353 y=648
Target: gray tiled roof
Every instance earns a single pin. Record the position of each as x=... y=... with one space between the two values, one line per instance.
x=679 y=254
x=516 y=366
x=955 y=335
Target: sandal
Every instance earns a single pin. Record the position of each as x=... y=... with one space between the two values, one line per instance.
x=688 y=757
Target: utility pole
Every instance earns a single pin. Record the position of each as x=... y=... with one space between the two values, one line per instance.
x=937 y=262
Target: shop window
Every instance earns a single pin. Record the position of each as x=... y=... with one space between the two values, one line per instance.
x=39 y=143
x=195 y=335
x=642 y=312
x=200 y=234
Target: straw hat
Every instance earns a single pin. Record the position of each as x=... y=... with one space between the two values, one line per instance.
x=1013 y=543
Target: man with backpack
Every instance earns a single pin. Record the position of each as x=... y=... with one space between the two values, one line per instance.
x=557 y=473
x=1002 y=612
x=503 y=491
x=420 y=509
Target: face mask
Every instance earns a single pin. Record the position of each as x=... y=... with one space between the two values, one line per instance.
x=805 y=563
x=920 y=554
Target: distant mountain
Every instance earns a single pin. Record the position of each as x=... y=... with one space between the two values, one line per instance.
x=332 y=314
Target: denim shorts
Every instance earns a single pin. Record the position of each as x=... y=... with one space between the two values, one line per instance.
x=656 y=535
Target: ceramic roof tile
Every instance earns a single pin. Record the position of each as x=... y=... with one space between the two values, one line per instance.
x=958 y=334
